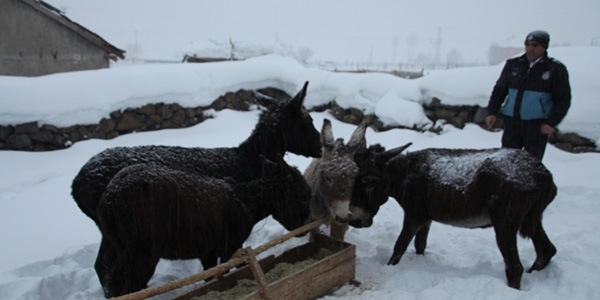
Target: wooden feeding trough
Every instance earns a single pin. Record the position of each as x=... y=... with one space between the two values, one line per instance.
x=307 y=271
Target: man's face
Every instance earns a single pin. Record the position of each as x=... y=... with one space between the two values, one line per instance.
x=534 y=50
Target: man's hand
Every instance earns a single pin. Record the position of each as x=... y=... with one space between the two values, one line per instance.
x=490 y=120
x=547 y=129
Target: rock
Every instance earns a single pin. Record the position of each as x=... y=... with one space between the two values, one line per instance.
x=129 y=122
x=564 y=146
x=50 y=128
x=153 y=122
x=480 y=114
x=219 y=104
x=445 y=114
x=148 y=109
x=117 y=114
x=106 y=125
x=5 y=131
x=18 y=141
x=457 y=122
x=165 y=112
x=574 y=140
x=30 y=127
x=42 y=136
x=178 y=117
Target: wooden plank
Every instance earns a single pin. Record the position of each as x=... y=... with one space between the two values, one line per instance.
x=330 y=243
x=175 y=284
x=337 y=230
x=314 y=281
x=228 y=280
x=259 y=276
x=321 y=277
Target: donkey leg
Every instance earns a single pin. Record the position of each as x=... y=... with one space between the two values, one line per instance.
x=421 y=238
x=410 y=227
x=506 y=238
x=117 y=279
x=544 y=249
x=208 y=261
x=131 y=273
x=106 y=259
x=140 y=271
x=106 y=262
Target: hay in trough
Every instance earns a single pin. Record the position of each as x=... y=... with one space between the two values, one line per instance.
x=245 y=287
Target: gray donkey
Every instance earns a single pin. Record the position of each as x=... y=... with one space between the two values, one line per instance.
x=331 y=177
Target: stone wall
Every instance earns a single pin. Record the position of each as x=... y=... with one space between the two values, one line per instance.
x=31 y=137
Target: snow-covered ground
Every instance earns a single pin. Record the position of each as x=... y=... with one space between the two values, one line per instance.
x=48 y=246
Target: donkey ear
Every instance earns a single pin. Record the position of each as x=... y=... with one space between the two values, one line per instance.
x=398 y=163
x=298 y=100
x=393 y=154
x=282 y=165
x=268 y=165
x=266 y=101
x=327 y=135
x=269 y=169
x=357 y=140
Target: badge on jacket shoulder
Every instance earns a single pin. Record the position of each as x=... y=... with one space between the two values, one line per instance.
x=546 y=75
x=515 y=71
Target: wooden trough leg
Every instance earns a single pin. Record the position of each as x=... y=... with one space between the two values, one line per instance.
x=259 y=275
x=337 y=230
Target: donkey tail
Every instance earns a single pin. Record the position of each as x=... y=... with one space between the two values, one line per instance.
x=533 y=218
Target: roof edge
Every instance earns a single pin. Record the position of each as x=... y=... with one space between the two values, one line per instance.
x=59 y=16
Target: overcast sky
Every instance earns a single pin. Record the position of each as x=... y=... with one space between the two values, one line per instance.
x=378 y=30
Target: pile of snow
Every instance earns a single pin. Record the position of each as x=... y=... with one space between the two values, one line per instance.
x=86 y=97
x=234 y=50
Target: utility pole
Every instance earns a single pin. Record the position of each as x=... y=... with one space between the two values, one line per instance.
x=437 y=46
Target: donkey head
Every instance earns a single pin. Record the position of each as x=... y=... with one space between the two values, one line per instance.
x=286 y=191
x=373 y=183
x=294 y=129
x=332 y=177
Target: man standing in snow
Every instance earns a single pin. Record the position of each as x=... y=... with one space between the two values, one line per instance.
x=533 y=95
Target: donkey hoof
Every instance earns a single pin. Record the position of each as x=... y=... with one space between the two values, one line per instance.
x=515 y=285
x=513 y=276
x=542 y=261
x=538 y=265
x=394 y=261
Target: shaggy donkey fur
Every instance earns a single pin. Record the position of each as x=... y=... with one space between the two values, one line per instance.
x=150 y=212
x=284 y=126
x=507 y=189
x=331 y=177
